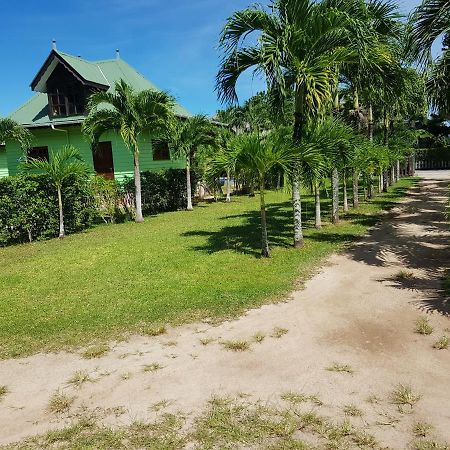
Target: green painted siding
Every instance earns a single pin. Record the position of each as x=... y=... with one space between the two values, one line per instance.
x=3 y=163
x=123 y=159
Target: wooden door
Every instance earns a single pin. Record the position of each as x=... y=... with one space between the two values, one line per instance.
x=103 y=160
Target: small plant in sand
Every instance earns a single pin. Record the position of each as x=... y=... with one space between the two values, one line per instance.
x=342 y=368
x=125 y=376
x=236 y=346
x=364 y=440
x=278 y=332
x=259 y=337
x=403 y=395
x=442 y=343
x=352 y=410
x=153 y=330
x=373 y=399
x=298 y=397
x=422 y=429
x=78 y=378
x=153 y=367
x=404 y=274
x=3 y=391
x=170 y=344
x=206 y=341
x=60 y=403
x=423 y=326
x=96 y=351
x=158 y=406
x=430 y=445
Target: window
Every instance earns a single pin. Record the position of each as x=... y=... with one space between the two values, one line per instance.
x=38 y=153
x=161 y=151
x=66 y=101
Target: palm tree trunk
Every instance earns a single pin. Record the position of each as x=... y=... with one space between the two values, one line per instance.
x=188 y=184
x=278 y=181
x=370 y=123
x=397 y=170
x=335 y=196
x=380 y=181
x=344 y=187
x=299 y=121
x=228 y=187
x=356 y=109
x=392 y=174
x=318 y=222
x=137 y=188
x=355 y=189
x=265 y=251
x=61 y=214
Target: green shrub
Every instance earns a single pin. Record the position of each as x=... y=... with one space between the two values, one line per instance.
x=29 y=208
x=108 y=200
x=161 y=191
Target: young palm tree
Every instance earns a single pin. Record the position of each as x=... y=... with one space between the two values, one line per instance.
x=300 y=44
x=260 y=155
x=12 y=131
x=131 y=114
x=63 y=164
x=189 y=137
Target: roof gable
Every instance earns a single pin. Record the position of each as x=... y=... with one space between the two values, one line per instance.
x=102 y=74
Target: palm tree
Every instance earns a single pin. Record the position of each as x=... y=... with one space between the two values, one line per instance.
x=63 y=164
x=300 y=44
x=12 y=131
x=131 y=114
x=189 y=137
x=261 y=155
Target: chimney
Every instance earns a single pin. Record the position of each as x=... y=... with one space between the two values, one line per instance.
x=54 y=44
x=117 y=53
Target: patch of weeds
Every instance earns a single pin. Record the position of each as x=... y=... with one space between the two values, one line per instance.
x=442 y=343
x=153 y=330
x=60 y=403
x=338 y=367
x=170 y=344
x=278 y=332
x=422 y=429
x=206 y=341
x=78 y=378
x=298 y=397
x=387 y=420
x=259 y=337
x=373 y=399
x=153 y=367
x=96 y=351
x=403 y=395
x=430 y=445
x=158 y=406
x=364 y=439
x=3 y=391
x=352 y=410
x=423 y=326
x=404 y=274
x=236 y=346
x=125 y=376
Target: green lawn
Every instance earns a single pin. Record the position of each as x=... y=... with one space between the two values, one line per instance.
x=176 y=267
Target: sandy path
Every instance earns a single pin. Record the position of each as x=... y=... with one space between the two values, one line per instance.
x=352 y=312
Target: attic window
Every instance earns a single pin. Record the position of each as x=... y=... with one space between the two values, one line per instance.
x=161 y=151
x=40 y=153
x=66 y=102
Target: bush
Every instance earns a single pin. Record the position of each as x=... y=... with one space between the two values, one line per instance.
x=162 y=191
x=29 y=208
x=108 y=200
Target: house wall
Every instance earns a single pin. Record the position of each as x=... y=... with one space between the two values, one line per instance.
x=3 y=162
x=122 y=157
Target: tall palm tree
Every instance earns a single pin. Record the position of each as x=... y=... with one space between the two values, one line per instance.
x=189 y=136
x=12 y=131
x=131 y=114
x=63 y=164
x=300 y=44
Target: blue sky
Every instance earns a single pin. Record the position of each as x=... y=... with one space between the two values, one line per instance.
x=171 y=42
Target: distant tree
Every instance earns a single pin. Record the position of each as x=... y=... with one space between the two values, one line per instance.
x=130 y=114
x=12 y=131
x=63 y=164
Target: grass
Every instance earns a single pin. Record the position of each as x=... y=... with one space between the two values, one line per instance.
x=259 y=337
x=79 y=378
x=278 y=332
x=3 y=391
x=423 y=326
x=422 y=429
x=153 y=367
x=113 y=280
x=339 y=367
x=404 y=274
x=352 y=410
x=153 y=330
x=442 y=343
x=236 y=346
x=96 y=351
x=206 y=341
x=60 y=403
x=403 y=395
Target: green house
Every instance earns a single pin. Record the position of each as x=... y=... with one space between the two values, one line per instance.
x=55 y=114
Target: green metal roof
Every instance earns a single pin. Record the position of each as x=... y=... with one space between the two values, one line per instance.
x=34 y=113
